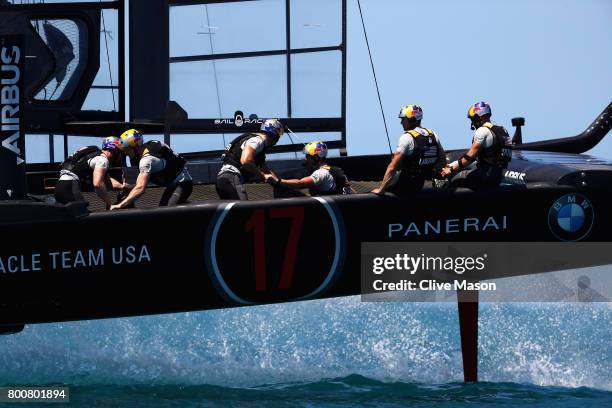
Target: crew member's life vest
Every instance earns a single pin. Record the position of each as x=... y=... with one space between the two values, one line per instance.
x=499 y=153
x=424 y=158
x=341 y=183
x=233 y=152
x=174 y=162
x=78 y=163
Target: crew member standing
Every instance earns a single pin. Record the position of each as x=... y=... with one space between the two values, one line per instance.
x=89 y=166
x=157 y=163
x=245 y=159
x=419 y=156
x=483 y=165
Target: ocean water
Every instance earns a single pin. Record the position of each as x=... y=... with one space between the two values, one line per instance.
x=326 y=353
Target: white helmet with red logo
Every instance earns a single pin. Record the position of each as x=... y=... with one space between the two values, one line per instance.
x=411 y=112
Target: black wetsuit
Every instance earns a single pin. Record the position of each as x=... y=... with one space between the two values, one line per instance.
x=67 y=191
x=488 y=171
x=427 y=157
x=230 y=184
x=176 y=192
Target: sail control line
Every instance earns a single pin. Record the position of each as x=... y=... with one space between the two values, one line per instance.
x=289 y=133
x=382 y=112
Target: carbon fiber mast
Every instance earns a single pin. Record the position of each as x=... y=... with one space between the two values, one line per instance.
x=574 y=144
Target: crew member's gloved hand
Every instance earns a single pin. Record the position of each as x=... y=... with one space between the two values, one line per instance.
x=272 y=179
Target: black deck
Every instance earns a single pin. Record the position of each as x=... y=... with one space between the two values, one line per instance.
x=206 y=193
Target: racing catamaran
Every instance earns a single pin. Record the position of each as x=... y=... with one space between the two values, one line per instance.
x=216 y=254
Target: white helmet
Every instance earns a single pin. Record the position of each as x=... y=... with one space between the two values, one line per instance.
x=479 y=109
x=413 y=112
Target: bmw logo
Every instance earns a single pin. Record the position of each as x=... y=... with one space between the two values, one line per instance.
x=570 y=218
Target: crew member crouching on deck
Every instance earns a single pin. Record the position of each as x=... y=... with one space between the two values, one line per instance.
x=90 y=165
x=483 y=165
x=158 y=164
x=324 y=180
x=245 y=158
x=419 y=156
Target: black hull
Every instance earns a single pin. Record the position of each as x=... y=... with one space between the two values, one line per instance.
x=202 y=257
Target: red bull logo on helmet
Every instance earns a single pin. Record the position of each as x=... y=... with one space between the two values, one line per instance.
x=411 y=112
x=480 y=109
x=316 y=149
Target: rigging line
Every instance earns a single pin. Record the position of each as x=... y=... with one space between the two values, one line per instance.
x=289 y=133
x=110 y=73
x=382 y=112
x=212 y=52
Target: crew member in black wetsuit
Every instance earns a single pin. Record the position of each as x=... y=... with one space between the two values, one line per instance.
x=323 y=180
x=90 y=166
x=419 y=156
x=483 y=165
x=158 y=164
x=245 y=159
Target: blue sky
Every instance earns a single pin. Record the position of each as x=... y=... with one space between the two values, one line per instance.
x=549 y=61
x=546 y=60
